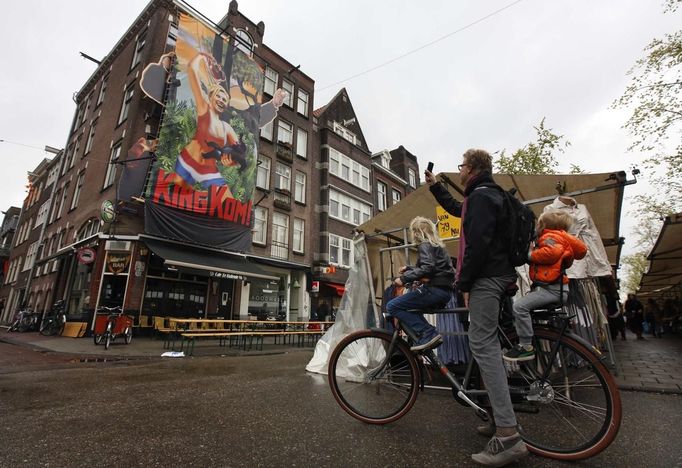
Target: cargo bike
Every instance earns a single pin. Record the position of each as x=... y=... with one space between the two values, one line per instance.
x=111 y=323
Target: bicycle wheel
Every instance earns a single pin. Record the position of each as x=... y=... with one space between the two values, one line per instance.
x=97 y=338
x=576 y=412
x=46 y=327
x=107 y=340
x=365 y=389
x=128 y=336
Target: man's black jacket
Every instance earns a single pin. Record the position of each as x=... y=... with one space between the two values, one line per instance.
x=487 y=251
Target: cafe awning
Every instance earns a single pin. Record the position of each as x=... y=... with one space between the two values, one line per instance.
x=215 y=263
x=665 y=267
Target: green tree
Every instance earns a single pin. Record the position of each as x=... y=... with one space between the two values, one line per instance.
x=636 y=265
x=655 y=97
x=537 y=157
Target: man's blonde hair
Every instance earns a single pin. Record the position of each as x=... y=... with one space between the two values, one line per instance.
x=478 y=160
x=423 y=230
x=555 y=219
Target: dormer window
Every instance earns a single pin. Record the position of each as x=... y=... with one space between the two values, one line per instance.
x=386 y=160
x=344 y=132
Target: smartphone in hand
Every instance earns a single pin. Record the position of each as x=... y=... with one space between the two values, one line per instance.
x=429 y=166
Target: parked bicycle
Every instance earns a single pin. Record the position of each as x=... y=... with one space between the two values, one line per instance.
x=53 y=324
x=566 y=401
x=24 y=320
x=110 y=323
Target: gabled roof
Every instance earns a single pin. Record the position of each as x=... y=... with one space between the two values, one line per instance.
x=337 y=102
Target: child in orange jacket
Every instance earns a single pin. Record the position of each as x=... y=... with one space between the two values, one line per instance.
x=554 y=251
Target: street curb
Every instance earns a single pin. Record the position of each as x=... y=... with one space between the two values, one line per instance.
x=635 y=388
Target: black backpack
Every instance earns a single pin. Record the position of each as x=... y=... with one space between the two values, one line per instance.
x=521 y=227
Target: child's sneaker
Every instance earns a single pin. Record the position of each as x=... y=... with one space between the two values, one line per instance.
x=428 y=341
x=520 y=353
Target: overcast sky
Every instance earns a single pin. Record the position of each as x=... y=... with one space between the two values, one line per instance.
x=485 y=86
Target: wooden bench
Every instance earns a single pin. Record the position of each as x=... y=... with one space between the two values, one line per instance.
x=223 y=336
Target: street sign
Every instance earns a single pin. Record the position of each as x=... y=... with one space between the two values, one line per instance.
x=85 y=255
x=107 y=212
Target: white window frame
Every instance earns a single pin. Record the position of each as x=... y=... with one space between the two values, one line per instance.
x=260 y=225
x=245 y=39
x=271 y=78
x=302 y=102
x=140 y=42
x=412 y=177
x=285 y=129
x=301 y=143
x=283 y=177
x=299 y=187
x=65 y=194
x=340 y=245
x=267 y=130
x=382 y=201
x=298 y=241
x=280 y=232
x=91 y=138
x=338 y=161
x=110 y=175
x=30 y=256
x=396 y=196
x=344 y=132
x=128 y=93
x=77 y=190
x=288 y=87
x=263 y=172
x=102 y=91
x=340 y=204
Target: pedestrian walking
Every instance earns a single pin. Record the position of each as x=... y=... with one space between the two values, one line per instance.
x=615 y=317
x=634 y=313
x=654 y=315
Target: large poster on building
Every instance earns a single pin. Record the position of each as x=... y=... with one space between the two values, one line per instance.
x=202 y=182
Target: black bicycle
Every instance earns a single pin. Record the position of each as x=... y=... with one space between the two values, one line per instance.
x=566 y=401
x=25 y=320
x=53 y=324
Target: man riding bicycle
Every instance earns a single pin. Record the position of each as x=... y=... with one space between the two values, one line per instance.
x=483 y=273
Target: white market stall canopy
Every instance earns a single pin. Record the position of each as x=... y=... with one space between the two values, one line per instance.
x=601 y=193
x=665 y=268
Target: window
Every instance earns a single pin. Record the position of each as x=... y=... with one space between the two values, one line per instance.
x=91 y=137
x=412 y=176
x=30 y=256
x=385 y=160
x=381 y=196
x=266 y=130
x=127 y=97
x=396 y=196
x=263 y=173
x=340 y=165
x=111 y=168
x=340 y=251
x=283 y=177
x=344 y=132
x=298 y=240
x=102 y=90
x=346 y=208
x=139 y=45
x=285 y=132
x=301 y=143
x=77 y=190
x=42 y=214
x=172 y=36
x=57 y=198
x=62 y=202
x=271 y=78
x=280 y=235
x=52 y=176
x=244 y=42
x=299 y=187
x=260 y=225
x=79 y=115
x=86 y=108
x=288 y=86
x=302 y=102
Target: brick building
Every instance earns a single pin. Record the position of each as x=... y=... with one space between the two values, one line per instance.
x=315 y=182
x=10 y=221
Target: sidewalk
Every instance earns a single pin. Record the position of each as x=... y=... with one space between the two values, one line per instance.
x=141 y=347
x=650 y=365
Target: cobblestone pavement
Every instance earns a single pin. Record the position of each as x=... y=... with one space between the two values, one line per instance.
x=652 y=364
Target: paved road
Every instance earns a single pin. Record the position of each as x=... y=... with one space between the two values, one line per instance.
x=255 y=411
